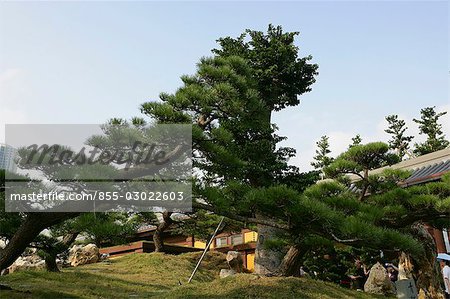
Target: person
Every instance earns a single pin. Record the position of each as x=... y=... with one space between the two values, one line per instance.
x=445 y=266
x=392 y=272
x=360 y=277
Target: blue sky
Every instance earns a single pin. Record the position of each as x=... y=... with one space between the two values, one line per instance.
x=84 y=62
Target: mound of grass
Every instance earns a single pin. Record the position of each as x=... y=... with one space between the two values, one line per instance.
x=253 y=286
x=132 y=276
x=158 y=275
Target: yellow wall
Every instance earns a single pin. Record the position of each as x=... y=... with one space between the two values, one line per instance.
x=250 y=237
x=251 y=261
x=200 y=244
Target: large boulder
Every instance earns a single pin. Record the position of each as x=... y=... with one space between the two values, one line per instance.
x=81 y=255
x=378 y=281
x=30 y=262
x=235 y=261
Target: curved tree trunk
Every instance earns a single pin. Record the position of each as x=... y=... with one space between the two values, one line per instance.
x=162 y=226
x=32 y=225
x=290 y=265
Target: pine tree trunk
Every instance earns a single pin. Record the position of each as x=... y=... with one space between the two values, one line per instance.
x=157 y=240
x=50 y=263
x=25 y=234
x=52 y=252
x=290 y=265
x=32 y=225
x=157 y=236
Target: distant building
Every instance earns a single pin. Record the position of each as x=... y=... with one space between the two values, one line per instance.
x=7 y=155
x=175 y=243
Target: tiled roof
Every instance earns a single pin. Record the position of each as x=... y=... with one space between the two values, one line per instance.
x=428 y=173
x=426 y=168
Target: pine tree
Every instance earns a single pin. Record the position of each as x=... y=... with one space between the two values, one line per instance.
x=389 y=205
x=429 y=125
x=230 y=101
x=244 y=176
x=322 y=151
x=399 y=142
x=358 y=161
x=355 y=141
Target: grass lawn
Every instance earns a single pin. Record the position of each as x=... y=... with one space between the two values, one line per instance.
x=157 y=275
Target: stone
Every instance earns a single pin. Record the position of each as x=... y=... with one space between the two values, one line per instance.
x=104 y=257
x=405 y=267
x=226 y=272
x=30 y=262
x=81 y=255
x=406 y=289
x=235 y=261
x=378 y=281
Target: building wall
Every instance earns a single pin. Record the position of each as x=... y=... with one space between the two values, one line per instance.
x=250 y=261
x=7 y=155
x=243 y=242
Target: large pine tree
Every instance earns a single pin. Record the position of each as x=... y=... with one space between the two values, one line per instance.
x=231 y=100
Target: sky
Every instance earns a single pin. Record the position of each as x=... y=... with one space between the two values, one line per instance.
x=85 y=62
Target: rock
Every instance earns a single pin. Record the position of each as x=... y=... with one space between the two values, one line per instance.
x=378 y=281
x=103 y=257
x=405 y=267
x=31 y=262
x=226 y=272
x=81 y=255
x=234 y=260
x=406 y=289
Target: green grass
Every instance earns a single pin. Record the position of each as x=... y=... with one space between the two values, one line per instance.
x=157 y=276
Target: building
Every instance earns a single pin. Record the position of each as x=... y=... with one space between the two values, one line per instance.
x=175 y=243
x=243 y=242
x=7 y=156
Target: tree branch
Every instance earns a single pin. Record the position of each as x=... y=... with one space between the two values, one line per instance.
x=236 y=217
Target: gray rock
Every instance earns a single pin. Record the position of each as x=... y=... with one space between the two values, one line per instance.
x=378 y=281
x=226 y=272
x=235 y=261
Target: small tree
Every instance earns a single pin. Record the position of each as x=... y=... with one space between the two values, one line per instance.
x=355 y=141
x=399 y=141
x=323 y=149
x=105 y=229
x=359 y=160
x=429 y=125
